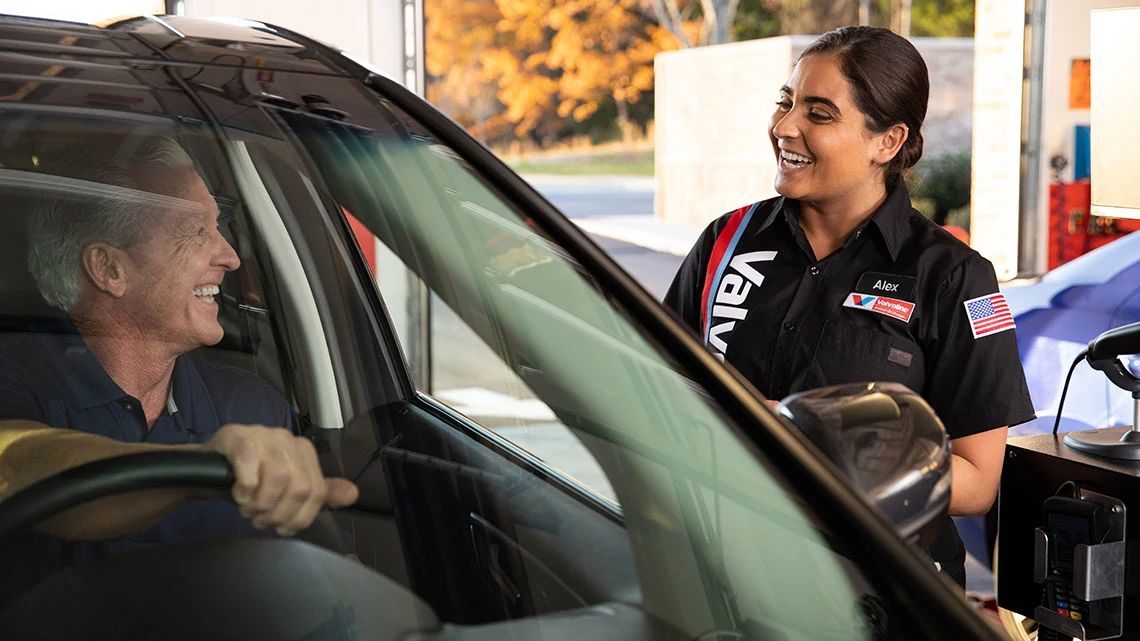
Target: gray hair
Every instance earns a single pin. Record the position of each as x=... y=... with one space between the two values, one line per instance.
x=104 y=203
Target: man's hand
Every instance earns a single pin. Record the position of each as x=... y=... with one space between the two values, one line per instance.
x=279 y=482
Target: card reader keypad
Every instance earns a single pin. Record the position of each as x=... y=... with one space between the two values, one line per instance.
x=1068 y=605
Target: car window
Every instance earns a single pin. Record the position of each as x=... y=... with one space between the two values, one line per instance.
x=531 y=348
x=471 y=378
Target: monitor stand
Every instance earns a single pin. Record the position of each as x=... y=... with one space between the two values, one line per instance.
x=1116 y=442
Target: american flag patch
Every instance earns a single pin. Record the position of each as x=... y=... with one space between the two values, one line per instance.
x=988 y=315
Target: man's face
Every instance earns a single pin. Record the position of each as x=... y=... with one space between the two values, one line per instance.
x=174 y=274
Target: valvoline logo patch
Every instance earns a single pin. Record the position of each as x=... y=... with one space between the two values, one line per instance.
x=892 y=307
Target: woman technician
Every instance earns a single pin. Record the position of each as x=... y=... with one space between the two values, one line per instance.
x=840 y=280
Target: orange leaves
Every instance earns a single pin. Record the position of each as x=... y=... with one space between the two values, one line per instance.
x=543 y=61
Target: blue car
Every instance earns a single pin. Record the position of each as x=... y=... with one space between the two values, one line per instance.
x=1056 y=318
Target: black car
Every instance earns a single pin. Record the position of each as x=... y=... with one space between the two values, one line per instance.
x=542 y=451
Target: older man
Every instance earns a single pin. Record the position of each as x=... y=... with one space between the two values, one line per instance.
x=136 y=264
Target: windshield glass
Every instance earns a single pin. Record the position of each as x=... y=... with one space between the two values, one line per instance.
x=522 y=448
x=522 y=323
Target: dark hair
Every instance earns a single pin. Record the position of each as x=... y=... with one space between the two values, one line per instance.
x=890 y=81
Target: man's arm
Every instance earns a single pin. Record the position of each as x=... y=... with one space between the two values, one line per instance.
x=279 y=482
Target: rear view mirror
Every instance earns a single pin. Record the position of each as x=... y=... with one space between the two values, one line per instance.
x=886 y=441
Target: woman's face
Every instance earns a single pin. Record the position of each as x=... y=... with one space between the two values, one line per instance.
x=825 y=154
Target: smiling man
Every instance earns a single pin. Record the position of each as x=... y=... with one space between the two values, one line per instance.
x=134 y=256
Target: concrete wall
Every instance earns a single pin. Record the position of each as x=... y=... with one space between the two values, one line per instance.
x=995 y=198
x=712 y=110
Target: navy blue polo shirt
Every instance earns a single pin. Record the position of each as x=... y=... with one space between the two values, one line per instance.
x=52 y=378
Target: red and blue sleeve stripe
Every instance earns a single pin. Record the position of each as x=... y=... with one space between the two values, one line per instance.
x=722 y=251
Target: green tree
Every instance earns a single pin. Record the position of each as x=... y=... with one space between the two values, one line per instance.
x=942 y=18
x=756 y=19
x=944 y=181
x=930 y=18
x=811 y=17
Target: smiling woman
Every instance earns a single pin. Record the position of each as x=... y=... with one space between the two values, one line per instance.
x=840 y=280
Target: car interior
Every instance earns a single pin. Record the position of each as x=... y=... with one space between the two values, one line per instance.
x=473 y=531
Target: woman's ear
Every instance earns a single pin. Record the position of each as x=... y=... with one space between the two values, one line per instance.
x=890 y=143
x=104 y=266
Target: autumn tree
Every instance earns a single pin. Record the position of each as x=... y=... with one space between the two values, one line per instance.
x=544 y=69
x=458 y=34
x=543 y=64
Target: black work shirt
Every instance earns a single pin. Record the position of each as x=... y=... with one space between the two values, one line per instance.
x=55 y=380
x=902 y=300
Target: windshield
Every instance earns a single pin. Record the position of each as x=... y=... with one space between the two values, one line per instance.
x=522 y=447
x=528 y=345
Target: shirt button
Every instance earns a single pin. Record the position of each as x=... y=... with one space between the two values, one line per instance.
x=789 y=327
x=814 y=271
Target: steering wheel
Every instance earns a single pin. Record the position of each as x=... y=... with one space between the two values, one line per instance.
x=143 y=471
x=243 y=588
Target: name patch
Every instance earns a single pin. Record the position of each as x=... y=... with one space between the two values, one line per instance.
x=893 y=285
x=892 y=307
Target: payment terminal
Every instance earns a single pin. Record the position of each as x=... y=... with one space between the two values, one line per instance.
x=1070 y=522
x=1080 y=565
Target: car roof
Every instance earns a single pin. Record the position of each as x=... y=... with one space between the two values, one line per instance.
x=173 y=40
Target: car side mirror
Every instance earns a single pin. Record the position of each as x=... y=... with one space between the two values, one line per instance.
x=886 y=441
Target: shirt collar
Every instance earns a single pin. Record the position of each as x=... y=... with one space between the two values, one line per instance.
x=185 y=383
x=171 y=406
x=190 y=398
x=782 y=209
x=91 y=386
x=890 y=218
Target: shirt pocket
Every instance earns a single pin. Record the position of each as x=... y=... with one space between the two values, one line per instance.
x=848 y=353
